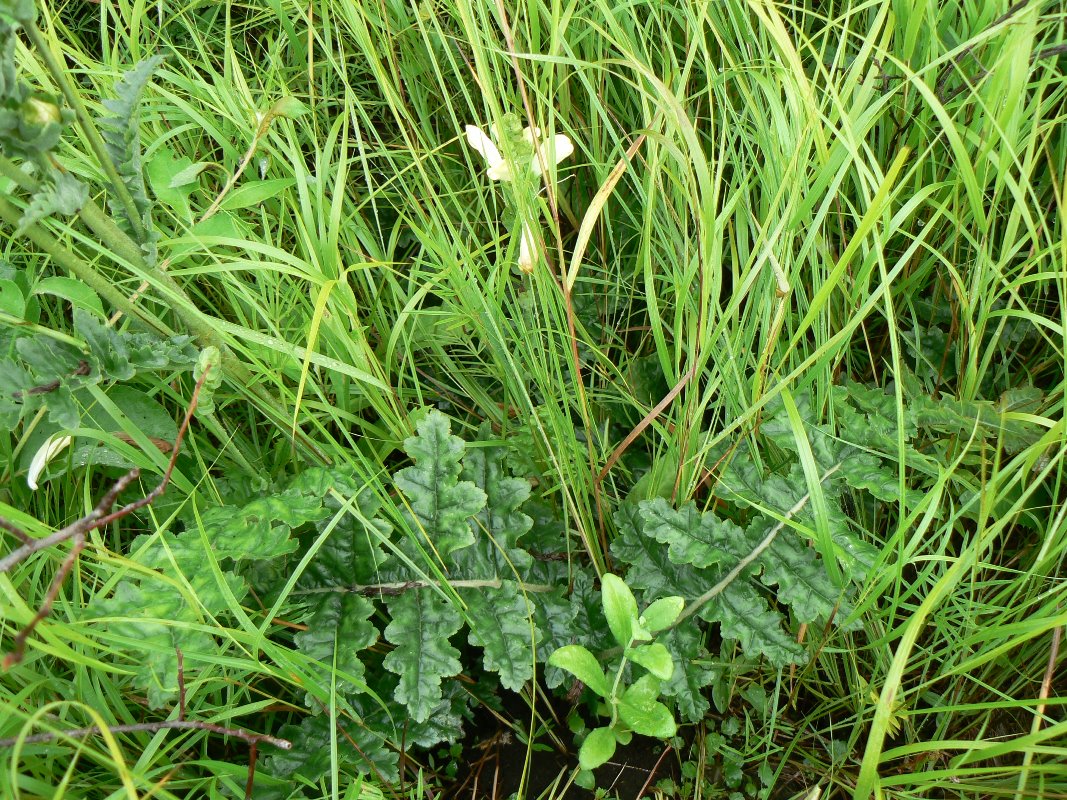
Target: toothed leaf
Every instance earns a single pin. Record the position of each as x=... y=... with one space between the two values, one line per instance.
x=336 y=633
x=421 y=625
x=503 y=629
x=694 y=538
x=442 y=505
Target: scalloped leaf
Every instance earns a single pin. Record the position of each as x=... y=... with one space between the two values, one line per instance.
x=500 y=519
x=358 y=744
x=743 y=614
x=442 y=505
x=421 y=625
x=336 y=633
x=503 y=629
x=687 y=684
x=694 y=538
x=802 y=581
x=260 y=529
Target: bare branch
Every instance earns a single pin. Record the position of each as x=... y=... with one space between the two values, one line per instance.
x=151 y=727
x=15 y=531
x=51 y=386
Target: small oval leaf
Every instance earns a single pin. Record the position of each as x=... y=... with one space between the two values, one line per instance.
x=653 y=657
x=662 y=613
x=583 y=665
x=598 y=747
x=619 y=607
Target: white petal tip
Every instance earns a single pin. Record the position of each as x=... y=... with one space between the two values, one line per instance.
x=45 y=453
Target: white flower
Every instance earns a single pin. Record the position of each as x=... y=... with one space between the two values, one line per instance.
x=500 y=170
x=527 y=249
x=45 y=453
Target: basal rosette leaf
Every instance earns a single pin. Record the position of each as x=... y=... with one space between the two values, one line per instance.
x=352 y=552
x=802 y=581
x=260 y=529
x=359 y=746
x=422 y=623
x=441 y=504
x=743 y=483
x=500 y=519
x=156 y=621
x=686 y=686
x=502 y=627
x=743 y=614
x=651 y=571
x=694 y=538
x=337 y=631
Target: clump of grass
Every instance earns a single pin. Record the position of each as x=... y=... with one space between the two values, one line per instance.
x=769 y=199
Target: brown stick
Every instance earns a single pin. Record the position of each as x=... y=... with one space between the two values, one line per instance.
x=152 y=727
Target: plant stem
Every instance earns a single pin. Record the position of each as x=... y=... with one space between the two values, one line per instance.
x=80 y=268
x=60 y=75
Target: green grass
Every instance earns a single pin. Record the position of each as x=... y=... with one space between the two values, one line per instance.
x=817 y=193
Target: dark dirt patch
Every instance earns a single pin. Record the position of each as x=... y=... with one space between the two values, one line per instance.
x=496 y=771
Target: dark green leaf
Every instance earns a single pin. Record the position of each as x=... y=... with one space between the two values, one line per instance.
x=442 y=505
x=694 y=538
x=422 y=623
x=502 y=626
x=336 y=633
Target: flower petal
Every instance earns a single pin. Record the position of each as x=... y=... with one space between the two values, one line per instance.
x=499 y=172
x=45 y=453
x=531 y=135
x=527 y=250
x=477 y=139
x=555 y=151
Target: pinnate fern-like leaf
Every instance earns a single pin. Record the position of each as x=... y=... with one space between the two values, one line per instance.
x=802 y=581
x=421 y=625
x=121 y=131
x=441 y=504
x=61 y=193
x=503 y=629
